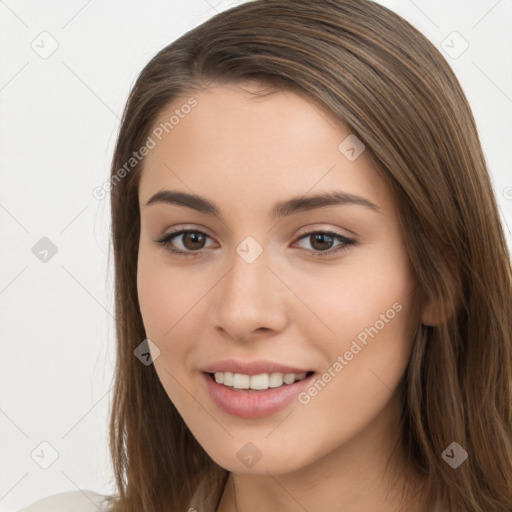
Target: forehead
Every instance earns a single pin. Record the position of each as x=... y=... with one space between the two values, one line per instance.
x=233 y=144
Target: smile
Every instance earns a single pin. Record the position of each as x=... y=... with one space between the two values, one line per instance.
x=258 y=382
x=254 y=396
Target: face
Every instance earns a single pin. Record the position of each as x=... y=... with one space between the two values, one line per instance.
x=310 y=302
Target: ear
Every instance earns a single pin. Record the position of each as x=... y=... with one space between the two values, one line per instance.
x=429 y=316
x=434 y=314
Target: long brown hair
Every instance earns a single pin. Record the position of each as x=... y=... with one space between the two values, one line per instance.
x=382 y=78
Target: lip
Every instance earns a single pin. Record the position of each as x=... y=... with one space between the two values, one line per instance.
x=250 y=403
x=252 y=367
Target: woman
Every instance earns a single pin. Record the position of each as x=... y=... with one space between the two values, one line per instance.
x=260 y=369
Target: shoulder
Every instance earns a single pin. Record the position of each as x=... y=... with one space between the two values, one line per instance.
x=77 y=501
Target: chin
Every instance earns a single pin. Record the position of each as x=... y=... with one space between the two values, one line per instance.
x=259 y=457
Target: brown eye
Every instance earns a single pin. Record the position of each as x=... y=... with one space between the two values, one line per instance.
x=192 y=241
x=322 y=241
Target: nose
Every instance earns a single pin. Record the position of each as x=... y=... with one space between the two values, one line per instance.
x=250 y=300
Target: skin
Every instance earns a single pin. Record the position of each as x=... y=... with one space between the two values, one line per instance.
x=288 y=305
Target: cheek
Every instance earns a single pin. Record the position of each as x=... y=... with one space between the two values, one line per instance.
x=361 y=293
x=163 y=294
x=172 y=303
x=164 y=300
x=153 y=295
x=370 y=314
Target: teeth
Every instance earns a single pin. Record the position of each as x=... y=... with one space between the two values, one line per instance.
x=228 y=379
x=257 y=382
x=241 y=381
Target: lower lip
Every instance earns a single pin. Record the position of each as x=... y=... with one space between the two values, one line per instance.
x=254 y=404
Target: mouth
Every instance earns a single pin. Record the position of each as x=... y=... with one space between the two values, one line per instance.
x=254 y=396
x=257 y=383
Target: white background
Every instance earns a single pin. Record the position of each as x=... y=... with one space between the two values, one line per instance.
x=58 y=122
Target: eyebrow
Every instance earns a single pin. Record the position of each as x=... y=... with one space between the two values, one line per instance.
x=280 y=209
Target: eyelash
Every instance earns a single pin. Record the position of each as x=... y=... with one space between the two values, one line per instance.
x=165 y=241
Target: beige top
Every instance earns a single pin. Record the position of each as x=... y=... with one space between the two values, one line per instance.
x=75 y=501
x=90 y=501
x=201 y=503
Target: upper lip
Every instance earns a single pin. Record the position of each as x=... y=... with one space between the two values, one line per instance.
x=255 y=367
